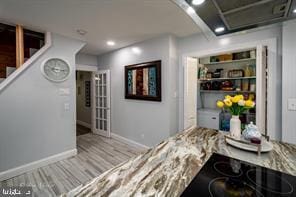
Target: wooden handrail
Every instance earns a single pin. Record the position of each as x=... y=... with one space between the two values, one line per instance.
x=19 y=46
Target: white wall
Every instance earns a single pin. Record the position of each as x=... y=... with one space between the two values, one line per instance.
x=289 y=80
x=34 y=123
x=173 y=88
x=86 y=59
x=198 y=43
x=145 y=122
x=83 y=112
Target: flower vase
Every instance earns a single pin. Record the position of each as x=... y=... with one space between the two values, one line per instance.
x=235 y=127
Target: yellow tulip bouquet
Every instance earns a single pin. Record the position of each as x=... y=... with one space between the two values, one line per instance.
x=236 y=104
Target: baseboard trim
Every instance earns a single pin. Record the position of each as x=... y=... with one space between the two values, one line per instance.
x=128 y=141
x=36 y=164
x=85 y=124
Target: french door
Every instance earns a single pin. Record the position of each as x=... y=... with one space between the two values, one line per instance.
x=101 y=103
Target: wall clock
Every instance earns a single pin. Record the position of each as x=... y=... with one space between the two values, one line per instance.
x=56 y=69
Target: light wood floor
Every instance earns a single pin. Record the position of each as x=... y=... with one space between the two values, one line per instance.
x=96 y=155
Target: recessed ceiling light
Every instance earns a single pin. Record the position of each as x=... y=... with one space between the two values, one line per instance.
x=294 y=11
x=197 y=2
x=190 y=10
x=81 y=32
x=136 y=50
x=110 y=43
x=224 y=41
x=219 y=29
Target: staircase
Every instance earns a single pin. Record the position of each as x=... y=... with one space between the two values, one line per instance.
x=16 y=46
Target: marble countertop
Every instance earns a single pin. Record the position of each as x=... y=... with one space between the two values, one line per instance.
x=168 y=168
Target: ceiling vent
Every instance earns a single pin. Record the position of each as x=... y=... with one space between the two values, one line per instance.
x=241 y=15
x=278 y=9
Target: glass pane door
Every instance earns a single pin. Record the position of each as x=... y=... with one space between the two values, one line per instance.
x=102 y=103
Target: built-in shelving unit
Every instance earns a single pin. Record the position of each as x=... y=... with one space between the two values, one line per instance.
x=232 y=78
x=225 y=74
x=231 y=61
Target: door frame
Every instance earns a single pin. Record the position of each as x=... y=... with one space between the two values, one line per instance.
x=186 y=91
x=91 y=69
x=93 y=125
x=271 y=44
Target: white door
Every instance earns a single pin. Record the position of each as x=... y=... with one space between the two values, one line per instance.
x=261 y=88
x=190 y=92
x=101 y=103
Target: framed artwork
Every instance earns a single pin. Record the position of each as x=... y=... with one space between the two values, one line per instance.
x=143 y=81
x=87 y=94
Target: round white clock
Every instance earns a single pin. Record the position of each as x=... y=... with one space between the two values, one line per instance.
x=56 y=69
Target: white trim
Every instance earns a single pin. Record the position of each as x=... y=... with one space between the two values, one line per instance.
x=27 y=64
x=85 y=124
x=128 y=141
x=260 y=89
x=36 y=164
x=89 y=68
x=190 y=66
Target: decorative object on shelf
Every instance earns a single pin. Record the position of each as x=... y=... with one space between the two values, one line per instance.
x=225 y=57
x=214 y=59
x=236 y=105
x=245 y=85
x=216 y=85
x=217 y=73
x=253 y=85
x=206 y=86
x=236 y=73
x=241 y=55
x=224 y=74
x=204 y=60
x=56 y=69
x=238 y=85
x=253 y=54
x=209 y=75
x=143 y=81
x=227 y=85
x=251 y=132
x=203 y=72
x=248 y=71
x=253 y=69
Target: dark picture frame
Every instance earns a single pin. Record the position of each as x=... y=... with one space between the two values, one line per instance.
x=143 y=81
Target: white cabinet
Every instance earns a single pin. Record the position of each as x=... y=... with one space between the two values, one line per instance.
x=208 y=118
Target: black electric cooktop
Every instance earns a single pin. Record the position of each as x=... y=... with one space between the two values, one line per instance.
x=228 y=177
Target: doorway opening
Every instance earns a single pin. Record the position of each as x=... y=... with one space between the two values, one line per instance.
x=209 y=77
x=83 y=102
x=93 y=101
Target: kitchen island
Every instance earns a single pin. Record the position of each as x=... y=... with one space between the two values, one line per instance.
x=167 y=169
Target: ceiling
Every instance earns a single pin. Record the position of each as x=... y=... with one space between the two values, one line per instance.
x=124 y=21
x=238 y=15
